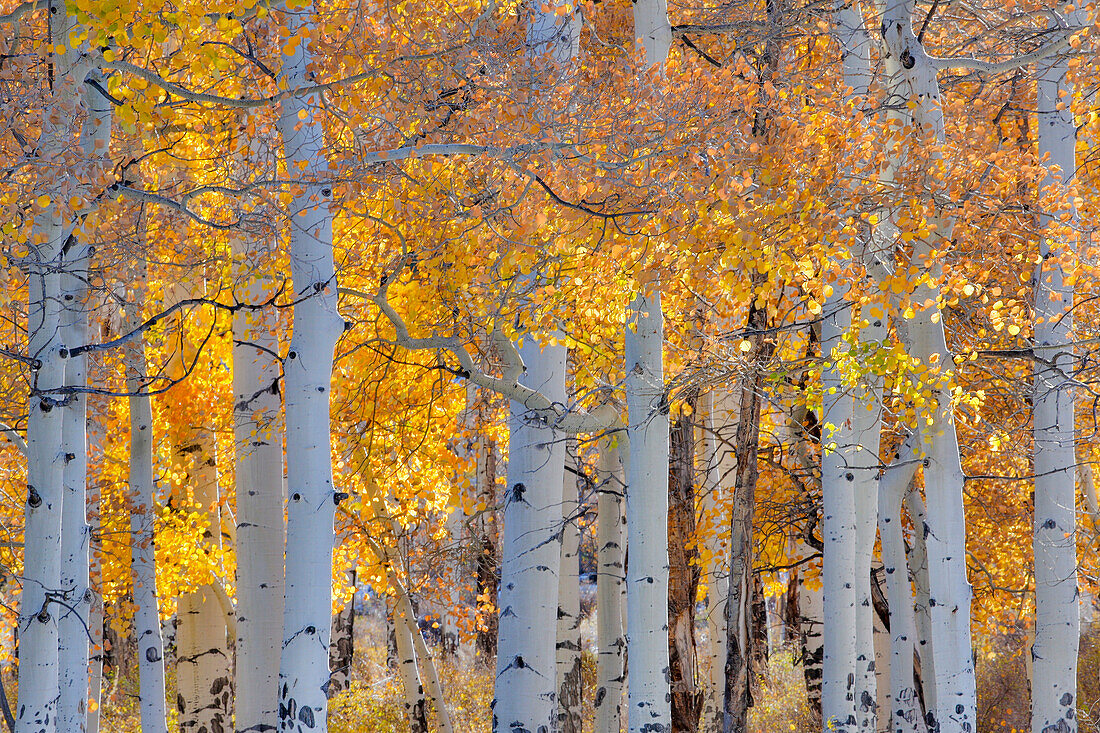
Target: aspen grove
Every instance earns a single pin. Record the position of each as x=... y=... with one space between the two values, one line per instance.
x=549 y=366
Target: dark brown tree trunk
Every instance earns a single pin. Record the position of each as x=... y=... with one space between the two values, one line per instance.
x=342 y=647
x=488 y=570
x=683 y=574
x=739 y=634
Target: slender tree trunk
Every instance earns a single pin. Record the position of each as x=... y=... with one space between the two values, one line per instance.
x=718 y=461
x=95 y=573
x=918 y=568
x=260 y=498
x=75 y=616
x=850 y=469
x=147 y=630
x=307 y=614
x=204 y=692
x=913 y=86
x=436 y=699
x=454 y=572
x=341 y=649
x=416 y=704
x=650 y=709
x=737 y=697
x=811 y=637
x=524 y=696
x=903 y=714
x=647 y=518
x=568 y=660
x=1057 y=603
x=838 y=700
x=487 y=571
x=610 y=578
x=683 y=577
x=73 y=623
x=95 y=683
x=39 y=613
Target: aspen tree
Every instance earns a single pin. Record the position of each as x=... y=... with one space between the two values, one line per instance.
x=1057 y=603
x=261 y=530
x=39 y=612
x=849 y=465
x=147 y=630
x=568 y=661
x=312 y=498
x=649 y=704
x=718 y=462
x=610 y=586
x=525 y=689
x=75 y=622
x=903 y=715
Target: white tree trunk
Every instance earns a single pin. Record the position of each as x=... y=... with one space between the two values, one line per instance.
x=261 y=529
x=147 y=631
x=811 y=622
x=202 y=653
x=416 y=704
x=918 y=568
x=647 y=518
x=1057 y=605
x=719 y=461
x=524 y=695
x=95 y=622
x=913 y=80
x=610 y=586
x=436 y=699
x=903 y=714
x=95 y=682
x=648 y=693
x=841 y=632
x=303 y=671
x=568 y=660
x=857 y=437
x=73 y=623
x=454 y=576
x=37 y=625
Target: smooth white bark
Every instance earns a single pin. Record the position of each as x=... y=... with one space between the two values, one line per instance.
x=147 y=630
x=1057 y=603
x=647 y=517
x=913 y=85
x=261 y=529
x=854 y=467
x=838 y=498
x=903 y=715
x=568 y=661
x=525 y=689
x=303 y=671
x=39 y=610
x=719 y=462
x=202 y=653
x=610 y=586
x=416 y=704
x=918 y=568
x=74 y=634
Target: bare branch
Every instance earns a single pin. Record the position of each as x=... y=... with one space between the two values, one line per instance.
x=562 y=417
x=14 y=437
x=21 y=10
x=999 y=67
